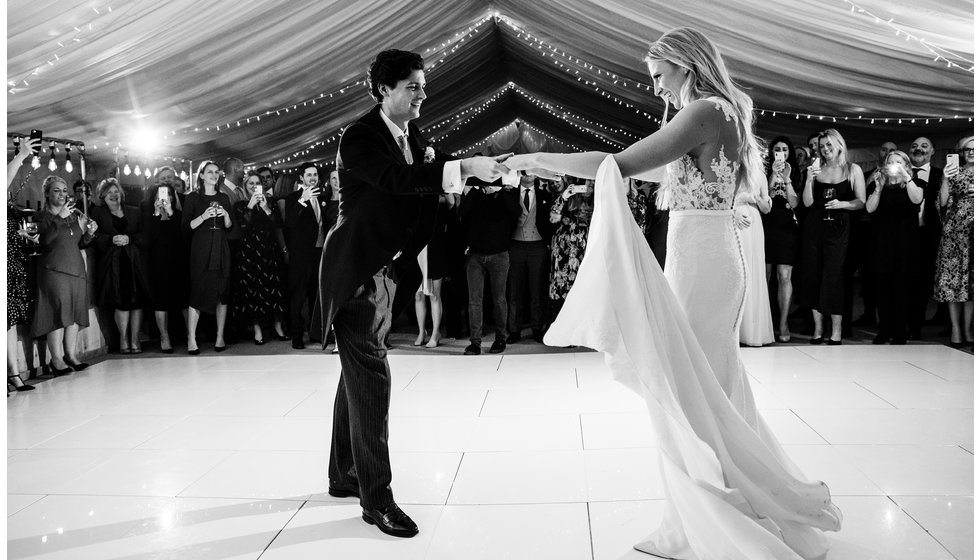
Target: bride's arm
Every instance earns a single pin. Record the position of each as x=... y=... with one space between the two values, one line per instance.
x=693 y=126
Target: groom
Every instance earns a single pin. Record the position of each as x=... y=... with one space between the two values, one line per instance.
x=389 y=194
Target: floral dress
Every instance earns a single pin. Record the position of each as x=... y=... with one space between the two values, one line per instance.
x=954 y=265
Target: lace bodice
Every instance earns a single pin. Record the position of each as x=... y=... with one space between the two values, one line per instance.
x=685 y=184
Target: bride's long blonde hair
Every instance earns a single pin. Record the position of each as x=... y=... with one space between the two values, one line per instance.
x=708 y=77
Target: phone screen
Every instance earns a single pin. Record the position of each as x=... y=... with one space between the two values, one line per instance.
x=38 y=135
x=953 y=158
x=163 y=193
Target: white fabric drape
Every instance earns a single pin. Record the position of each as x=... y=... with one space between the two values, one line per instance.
x=180 y=64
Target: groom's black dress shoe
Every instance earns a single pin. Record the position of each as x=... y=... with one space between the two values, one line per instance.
x=391 y=520
x=338 y=492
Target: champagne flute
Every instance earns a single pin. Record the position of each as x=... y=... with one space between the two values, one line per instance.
x=829 y=193
x=214 y=222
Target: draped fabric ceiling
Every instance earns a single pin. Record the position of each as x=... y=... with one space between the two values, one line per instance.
x=179 y=67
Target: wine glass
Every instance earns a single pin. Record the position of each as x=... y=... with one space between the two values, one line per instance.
x=829 y=193
x=214 y=222
x=31 y=228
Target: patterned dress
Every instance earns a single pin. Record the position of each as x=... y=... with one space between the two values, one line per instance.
x=259 y=288
x=18 y=296
x=954 y=266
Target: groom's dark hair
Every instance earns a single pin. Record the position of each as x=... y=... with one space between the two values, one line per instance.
x=390 y=67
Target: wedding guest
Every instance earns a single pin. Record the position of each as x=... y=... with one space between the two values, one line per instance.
x=954 y=270
x=834 y=188
x=207 y=219
x=864 y=243
x=268 y=178
x=435 y=267
x=930 y=179
x=258 y=269
x=19 y=297
x=489 y=217
x=781 y=230
x=83 y=196
x=657 y=220
x=893 y=205
x=302 y=227
x=62 y=302
x=751 y=201
x=121 y=281
x=529 y=256
x=802 y=157
x=165 y=250
x=572 y=212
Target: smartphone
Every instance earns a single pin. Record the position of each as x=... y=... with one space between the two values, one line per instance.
x=954 y=159
x=35 y=133
x=779 y=156
x=163 y=193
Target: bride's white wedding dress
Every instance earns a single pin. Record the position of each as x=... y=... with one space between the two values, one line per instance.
x=731 y=491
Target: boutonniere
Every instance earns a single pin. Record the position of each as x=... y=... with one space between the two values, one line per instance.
x=430 y=155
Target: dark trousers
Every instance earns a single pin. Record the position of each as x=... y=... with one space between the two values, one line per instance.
x=924 y=281
x=824 y=252
x=359 y=448
x=496 y=266
x=303 y=286
x=528 y=277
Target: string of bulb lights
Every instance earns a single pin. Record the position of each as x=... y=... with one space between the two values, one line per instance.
x=941 y=54
x=66 y=43
x=522 y=124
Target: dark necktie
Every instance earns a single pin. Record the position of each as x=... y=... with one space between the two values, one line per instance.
x=527 y=200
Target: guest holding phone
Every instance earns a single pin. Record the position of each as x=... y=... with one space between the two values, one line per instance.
x=165 y=252
x=62 y=303
x=259 y=292
x=834 y=188
x=894 y=207
x=782 y=237
x=954 y=267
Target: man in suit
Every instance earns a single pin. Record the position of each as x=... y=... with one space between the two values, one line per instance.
x=529 y=253
x=930 y=179
x=302 y=229
x=389 y=192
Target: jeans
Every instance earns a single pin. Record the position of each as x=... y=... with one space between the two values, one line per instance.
x=477 y=267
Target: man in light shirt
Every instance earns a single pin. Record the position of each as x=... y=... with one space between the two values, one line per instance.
x=529 y=254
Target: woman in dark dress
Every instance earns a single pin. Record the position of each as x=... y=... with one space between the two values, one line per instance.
x=833 y=189
x=165 y=253
x=436 y=268
x=207 y=219
x=18 y=296
x=121 y=284
x=259 y=284
x=780 y=225
x=62 y=291
x=893 y=203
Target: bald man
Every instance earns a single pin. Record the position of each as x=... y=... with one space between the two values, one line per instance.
x=929 y=178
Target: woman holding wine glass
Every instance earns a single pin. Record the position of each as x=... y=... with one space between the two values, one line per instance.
x=207 y=217
x=63 y=304
x=833 y=189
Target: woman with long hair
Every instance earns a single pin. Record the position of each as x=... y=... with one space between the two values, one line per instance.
x=732 y=490
x=954 y=268
x=780 y=224
x=834 y=188
x=207 y=219
x=166 y=252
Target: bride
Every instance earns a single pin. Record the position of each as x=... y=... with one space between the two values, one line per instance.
x=731 y=491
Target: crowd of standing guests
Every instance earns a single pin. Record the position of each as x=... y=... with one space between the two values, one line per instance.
x=244 y=247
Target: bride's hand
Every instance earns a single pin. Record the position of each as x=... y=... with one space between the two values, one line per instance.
x=742 y=218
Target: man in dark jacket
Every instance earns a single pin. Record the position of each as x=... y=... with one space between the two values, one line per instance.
x=389 y=192
x=529 y=257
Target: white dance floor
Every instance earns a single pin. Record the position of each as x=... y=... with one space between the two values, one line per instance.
x=534 y=457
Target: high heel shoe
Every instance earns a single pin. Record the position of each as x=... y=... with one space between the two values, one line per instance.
x=59 y=372
x=221 y=348
x=816 y=340
x=77 y=366
x=193 y=351
x=22 y=387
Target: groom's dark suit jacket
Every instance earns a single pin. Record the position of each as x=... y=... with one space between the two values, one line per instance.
x=385 y=207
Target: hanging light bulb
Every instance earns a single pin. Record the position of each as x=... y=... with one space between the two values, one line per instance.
x=137 y=171
x=36 y=162
x=146 y=173
x=52 y=164
x=68 y=166
x=183 y=175
x=126 y=168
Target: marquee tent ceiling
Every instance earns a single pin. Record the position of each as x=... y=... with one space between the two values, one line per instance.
x=198 y=72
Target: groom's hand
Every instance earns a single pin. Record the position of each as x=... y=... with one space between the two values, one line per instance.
x=484 y=168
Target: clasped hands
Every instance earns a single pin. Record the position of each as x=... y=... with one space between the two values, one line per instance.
x=490 y=169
